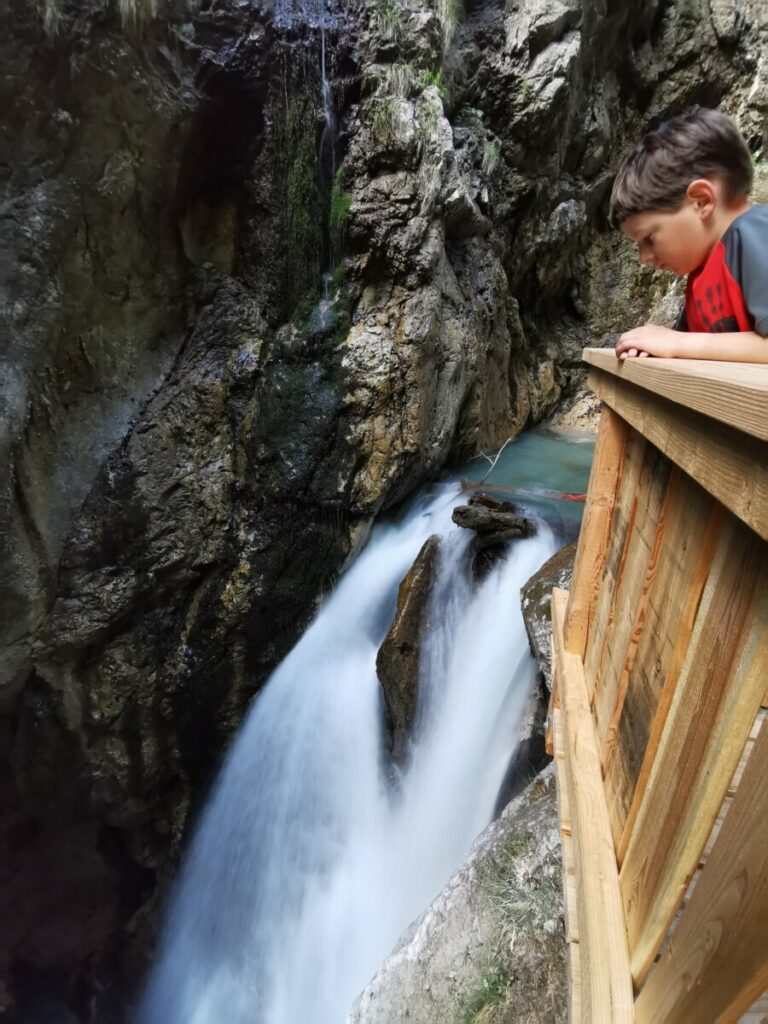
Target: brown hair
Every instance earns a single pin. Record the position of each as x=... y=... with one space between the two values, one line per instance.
x=664 y=162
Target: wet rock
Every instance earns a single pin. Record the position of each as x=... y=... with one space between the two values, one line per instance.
x=536 y=597
x=397 y=663
x=493 y=941
x=493 y=525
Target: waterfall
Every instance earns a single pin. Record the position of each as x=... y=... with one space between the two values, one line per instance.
x=307 y=864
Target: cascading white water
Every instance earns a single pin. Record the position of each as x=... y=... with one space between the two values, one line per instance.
x=307 y=865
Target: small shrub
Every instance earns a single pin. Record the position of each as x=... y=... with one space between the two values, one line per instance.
x=434 y=78
x=449 y=15
x=388 y=19
x=490 y=994
x=338 y=214
x=133 y=12
x=50 y=12
x=491 y=157
x=393 y=84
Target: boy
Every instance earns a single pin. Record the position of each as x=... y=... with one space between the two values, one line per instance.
x=681 y=195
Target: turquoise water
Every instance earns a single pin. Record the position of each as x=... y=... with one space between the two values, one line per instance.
x=531 y=470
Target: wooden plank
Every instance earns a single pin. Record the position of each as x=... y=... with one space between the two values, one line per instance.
x=690 y=526
x=729 y=464
x=606 y=987
x=569 y=870
x=594 y=535
x=574 y=984
x=710 y=717
x=630 y=598
x=624 y=511
x=733 y=393
x=717 y=964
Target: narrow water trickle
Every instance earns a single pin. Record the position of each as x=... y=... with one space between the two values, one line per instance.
x=307 y=864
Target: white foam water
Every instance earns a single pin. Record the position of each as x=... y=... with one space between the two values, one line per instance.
x=308 y=862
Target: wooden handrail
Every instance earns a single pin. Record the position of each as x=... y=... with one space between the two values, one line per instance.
x=733 y=393
x=665 y=401
x=660 y=662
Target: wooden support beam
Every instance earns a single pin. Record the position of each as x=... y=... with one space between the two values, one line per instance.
x=630 y=599
x=733 y=393
x=731 y=465
x=710 y=717
x=606 y=986
x=615 y=557
x=690 y=527
x=604 y=477
x=717 y=963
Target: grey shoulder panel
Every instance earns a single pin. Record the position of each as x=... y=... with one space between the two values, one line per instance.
x=746 y=255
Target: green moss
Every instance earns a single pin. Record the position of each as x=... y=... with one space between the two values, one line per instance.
x=295 y=182
x=338 y=214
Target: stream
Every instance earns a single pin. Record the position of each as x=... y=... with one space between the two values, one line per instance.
x=308 y=862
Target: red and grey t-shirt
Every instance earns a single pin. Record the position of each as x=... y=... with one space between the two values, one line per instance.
x=729 y=291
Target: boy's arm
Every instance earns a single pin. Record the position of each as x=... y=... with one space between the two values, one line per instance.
x=735 y=346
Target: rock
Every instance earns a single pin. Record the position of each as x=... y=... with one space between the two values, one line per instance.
x=491 y=522
x=536 y=597
x=493 y=941
x=397 y=663
x=188 y=467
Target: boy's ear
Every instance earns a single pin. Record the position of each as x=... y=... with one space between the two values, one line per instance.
x=704 y=196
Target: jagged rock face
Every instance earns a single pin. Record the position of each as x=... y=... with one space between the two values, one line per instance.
x=491 y=947
x=185 y=472
x=398 y=660
x=536 y=597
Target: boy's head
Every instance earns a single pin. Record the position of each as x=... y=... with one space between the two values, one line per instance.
x=672 y=188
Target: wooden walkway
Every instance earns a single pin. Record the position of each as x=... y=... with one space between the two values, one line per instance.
x=660 y=657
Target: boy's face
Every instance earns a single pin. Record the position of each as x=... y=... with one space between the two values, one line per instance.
x=677 y=240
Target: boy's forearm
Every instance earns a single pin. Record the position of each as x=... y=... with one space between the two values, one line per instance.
x=652 y=340
x=734 y=346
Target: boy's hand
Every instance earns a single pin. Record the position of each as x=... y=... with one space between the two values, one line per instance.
x=649 y=340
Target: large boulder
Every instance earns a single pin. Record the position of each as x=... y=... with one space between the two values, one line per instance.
x=536 y=596
x=399 y=657
x=493 y=942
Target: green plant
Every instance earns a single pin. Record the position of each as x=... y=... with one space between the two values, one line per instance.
x=491 y=157
x=393 y=84
x=434 y=78
x=487 y=996
x=388 y=19
x=338 y=214
x=133 y=12
x=50 y=12
x=449 y=15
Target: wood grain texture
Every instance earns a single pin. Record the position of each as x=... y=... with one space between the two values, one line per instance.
x=727 y=463
x=630 y=598
x=606 y=987
x=717 y=963
x=732 y=393
x=614 y=559
x=607 y=463
x=709 y=720
x=690 y=524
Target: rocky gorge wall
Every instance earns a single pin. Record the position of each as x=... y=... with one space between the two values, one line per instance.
x=188 y=458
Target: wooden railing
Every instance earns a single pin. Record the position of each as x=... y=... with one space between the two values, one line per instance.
x=660 y=679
